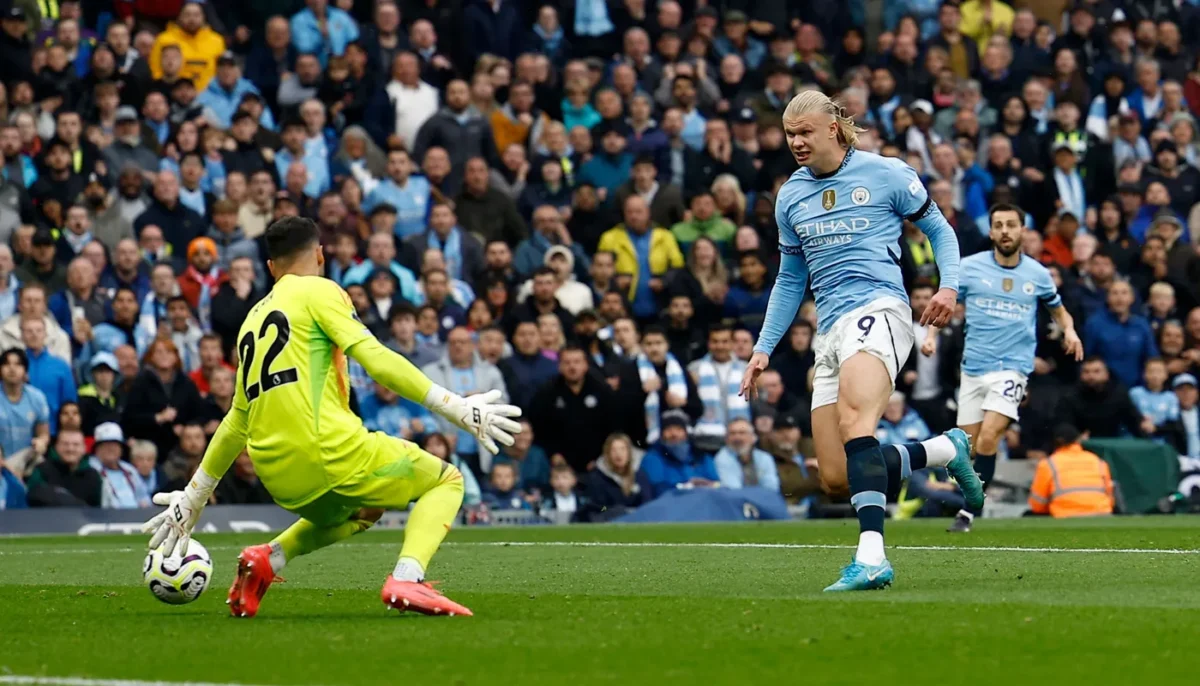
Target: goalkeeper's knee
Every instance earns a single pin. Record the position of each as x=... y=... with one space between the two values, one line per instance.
x=452 y=480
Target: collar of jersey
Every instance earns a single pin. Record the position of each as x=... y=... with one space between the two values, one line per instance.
x=845 y=161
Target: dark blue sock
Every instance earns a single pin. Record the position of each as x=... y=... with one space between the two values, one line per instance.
x=867 y=472
x=985 y=466
x=900 y=460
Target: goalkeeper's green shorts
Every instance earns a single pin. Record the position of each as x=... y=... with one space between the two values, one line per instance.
x=398 y=473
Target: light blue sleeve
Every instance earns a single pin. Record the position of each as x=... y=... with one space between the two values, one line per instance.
x=729 y=472
x=41 y=408
x=1047 y=291
x=788 y=290
x=911 y=201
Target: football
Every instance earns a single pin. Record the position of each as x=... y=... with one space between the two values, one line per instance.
x=178 y=579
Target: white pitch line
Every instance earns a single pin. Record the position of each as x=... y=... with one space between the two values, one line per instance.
x=20 y=679
x=611 y=544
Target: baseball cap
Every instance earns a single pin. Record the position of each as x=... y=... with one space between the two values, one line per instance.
x=15 y=13
x=674 y=418
x=587 y=314
x=1063 y=145
x=104 y=359
x=1129 y=117
x=284 y=196
x=109 y=432
x=708 y=11
x=921 y=105
x=126 y=113
x=226 y=57
x=1184 y=380
x=1129 y=188
x=43 y=238
x=1165 y=145
x=786 y=421
x=383 y=208
x=735 y=17
x=1167 y=216
x=745 y=116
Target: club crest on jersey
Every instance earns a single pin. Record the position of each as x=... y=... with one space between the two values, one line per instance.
x=860 y=196
x=1028 y=288
x=1007 y=285
x=829 y=199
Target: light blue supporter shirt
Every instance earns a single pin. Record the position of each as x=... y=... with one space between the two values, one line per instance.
x=1161 y=406
x=411 y=203
x=18 y=420
x=1001 y=324
x=843 y=229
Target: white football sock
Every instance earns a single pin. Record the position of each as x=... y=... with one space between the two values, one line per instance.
x=963 y=513
x=870 y=548
x=408 y=569
x=278 y=557
x=939 y=450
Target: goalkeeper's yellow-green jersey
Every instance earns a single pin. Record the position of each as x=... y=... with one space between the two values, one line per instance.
x=291 y=401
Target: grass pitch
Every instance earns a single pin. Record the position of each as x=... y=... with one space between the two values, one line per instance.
x=1016 y=602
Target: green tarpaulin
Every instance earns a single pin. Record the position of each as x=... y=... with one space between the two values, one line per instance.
x=1146 y=471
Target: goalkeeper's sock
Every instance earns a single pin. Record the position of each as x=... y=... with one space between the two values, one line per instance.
x=408 y=569
x=431 y=519
x=278 y=557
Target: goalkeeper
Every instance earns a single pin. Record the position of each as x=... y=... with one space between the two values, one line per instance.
x=291 y=414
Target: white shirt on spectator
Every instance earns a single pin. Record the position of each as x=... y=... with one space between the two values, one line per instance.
x=414 y=106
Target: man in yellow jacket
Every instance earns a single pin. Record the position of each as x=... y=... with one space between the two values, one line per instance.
x=982 y=19
x=200 y=45
x=1072 y=482
x=644 y=254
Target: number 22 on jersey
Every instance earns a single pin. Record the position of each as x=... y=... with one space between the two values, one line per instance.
x=266 y=379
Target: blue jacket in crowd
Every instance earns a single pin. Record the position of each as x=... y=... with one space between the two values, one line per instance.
x=52 y=376
x=667 y=466
x=607 y=171
x=12 y=491
x=308 y=39
x=1125 y=346
x=910 y=429
x=224 y=103
x=524 y=375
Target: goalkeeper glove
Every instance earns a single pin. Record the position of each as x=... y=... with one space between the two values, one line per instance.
x=172 y=528
x=480 y=415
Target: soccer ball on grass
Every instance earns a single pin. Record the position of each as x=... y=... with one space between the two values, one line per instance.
x=178 y=579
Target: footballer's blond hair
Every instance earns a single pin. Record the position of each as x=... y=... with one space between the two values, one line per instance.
x=816 y=102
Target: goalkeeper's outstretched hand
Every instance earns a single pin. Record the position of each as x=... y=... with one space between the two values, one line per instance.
x=172 y=528
x=488 y=421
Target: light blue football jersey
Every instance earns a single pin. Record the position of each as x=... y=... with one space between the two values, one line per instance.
x=1001 y=302
x=847 y=225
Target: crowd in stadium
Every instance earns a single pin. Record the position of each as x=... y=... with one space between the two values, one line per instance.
x=571 y=201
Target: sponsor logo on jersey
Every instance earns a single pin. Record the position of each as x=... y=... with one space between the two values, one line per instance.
x=860 y=196
x=834 y=232
x=828 y=199
x=1027 y=288
x=915 y=187
x=1007 y=285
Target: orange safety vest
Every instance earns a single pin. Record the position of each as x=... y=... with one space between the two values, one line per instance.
x=1072 y=483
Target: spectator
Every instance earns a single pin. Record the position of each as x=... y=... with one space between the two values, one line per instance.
x=64 y=479
x=740 y=464
x=704 y=223
x=527 y=370
x=533 y=465
x=717 y=376
x=1122 y=339
x=42 y=266
x=233 y=301
x=383 y=410
x=492 y=28
x=100 y=401
x=162 y=398
x=128 y=148
x=672 y=462
x=230 y=241
x=321 y=30
x=666 y=386
x=461 y=372
x=402 y=323
x=211 y=358
x=1185 y=389
x=543 y=300
x=241 y=486
x=1100 y=406
x=565 y=498
x=437 y=445
x=666 y=202
x=167 y=210
x=199 y=45
x=549 y=230
x=717 y=156
x=503 y=492
x=1072 y=482
x=746 y=302
x=461 y=252
x=203 y=276
x=184 y=332
x=644 y=254
x=81 y=305
x=435 y=285
x=798 y=479
x=617 y=484
x=901 y=424
x=144 y=458
x=408 y=194
x=458 y=128
x=574 y=413
x=184 y=459
x=25 y=433
x=315 y=166
x=49 y=374
x=123 y=488
x=485 y=211
x=32 y=305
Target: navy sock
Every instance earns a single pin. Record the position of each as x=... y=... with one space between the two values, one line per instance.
x=867 y=472
x=985 y=466
x=901 y=460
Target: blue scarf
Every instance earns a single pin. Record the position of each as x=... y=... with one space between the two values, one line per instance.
x=591 y=18
x=722 y=404
x=676 y=384
x=550 y=41
x=451 y=250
